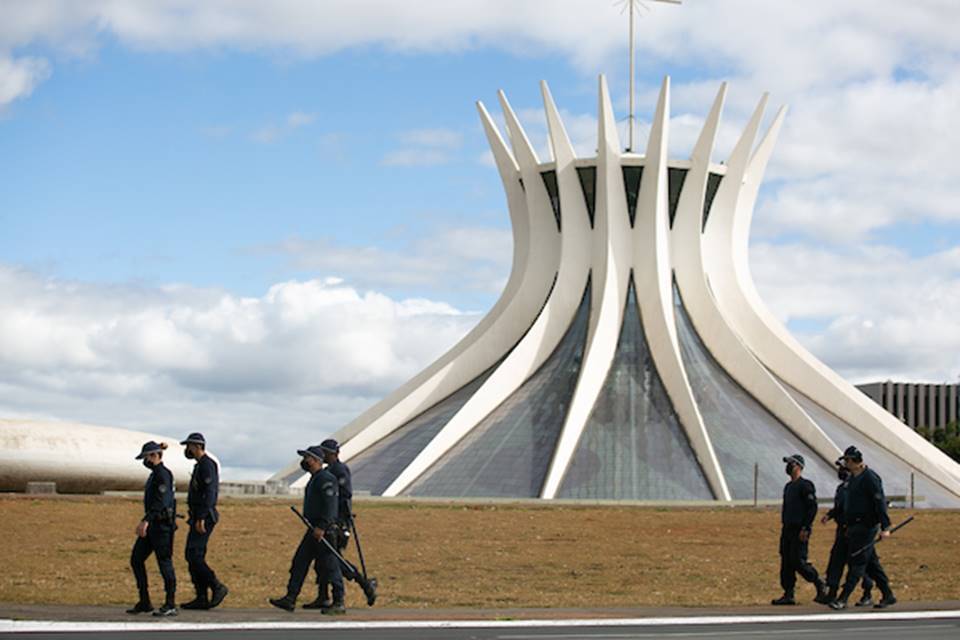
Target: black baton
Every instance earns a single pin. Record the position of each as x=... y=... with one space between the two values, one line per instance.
x=324 y=540
x=880 y=538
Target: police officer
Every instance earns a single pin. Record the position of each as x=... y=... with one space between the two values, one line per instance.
x=320 y=508
x=797 y=514
x=155 y=531
x=202 y=518
x=331 y=458
x=865 y=509
x=840 y=552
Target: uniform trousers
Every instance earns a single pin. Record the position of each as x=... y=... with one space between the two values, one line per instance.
x=159 y=540
x=793 y=559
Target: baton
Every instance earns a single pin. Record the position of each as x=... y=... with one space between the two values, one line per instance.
x=324 y=540
x=880 y=538
x=356 y=538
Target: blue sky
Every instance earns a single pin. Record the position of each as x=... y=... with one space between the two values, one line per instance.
x=224 y=215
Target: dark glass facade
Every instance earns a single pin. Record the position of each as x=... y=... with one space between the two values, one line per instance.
x=632 y=177
x=713 y=183
x=675 y=180
x=379 y=465
x=588 y=183
x=742 y=431
x=633 y=447
x=508 y=453
x=553 y=190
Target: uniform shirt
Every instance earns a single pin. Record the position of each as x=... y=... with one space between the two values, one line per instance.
x=839 y=500
x=799 y=503
x=866 y=503
x=345 y=504
x=320 y=499
x=159 y=503
x=204 y=488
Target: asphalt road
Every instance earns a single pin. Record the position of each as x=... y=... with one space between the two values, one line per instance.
x=879 y=629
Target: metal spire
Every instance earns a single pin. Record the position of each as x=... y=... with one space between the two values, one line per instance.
x=632 y=5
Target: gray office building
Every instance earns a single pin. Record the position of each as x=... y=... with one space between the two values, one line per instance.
x=920 y=404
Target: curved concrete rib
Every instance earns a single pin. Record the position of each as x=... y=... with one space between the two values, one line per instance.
x=691 y=272
x=780 y=352
x=654 y=282
x=552 y=323
x=515 y=311
x=611 y=273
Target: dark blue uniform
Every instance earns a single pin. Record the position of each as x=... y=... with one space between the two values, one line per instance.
x=797 y=514
x=865 y=509
x=159 y=511
x=344 y=517
x=320 y=498
x=202 y=505
x=840 y=552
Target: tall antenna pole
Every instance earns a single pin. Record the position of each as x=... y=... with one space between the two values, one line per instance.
x=632 y=43
x=632 y=5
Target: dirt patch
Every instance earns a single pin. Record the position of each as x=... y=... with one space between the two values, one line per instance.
x=76 y=551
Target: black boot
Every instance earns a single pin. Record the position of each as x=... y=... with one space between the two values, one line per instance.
x=785 y=599
x=142 y=606
x=886 y=601
x=822 y=597
x=838 y=604
x=220 y=592
x=286 y=603
x=200 y=603
x=864 y=601
x=369 y=589
x=335 y=609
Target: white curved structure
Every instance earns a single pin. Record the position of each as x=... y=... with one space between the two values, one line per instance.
x=630 y=356
x=80 y=458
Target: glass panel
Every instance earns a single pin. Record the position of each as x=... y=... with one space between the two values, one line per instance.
x=675 y=180
x=713 y=183
x=743 y=432
x=894 y=471
x=631 y=181
x=588 y=183
x=550 y=182
x=508 y=453
x=633 y=447
x=379 y=465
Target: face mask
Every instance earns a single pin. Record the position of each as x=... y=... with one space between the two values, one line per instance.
x=148 y=464
x=789 y=469
x=304 y=465
x=843 y=474
x=188 y=454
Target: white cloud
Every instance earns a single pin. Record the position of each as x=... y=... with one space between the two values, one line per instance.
x=417 y=157
x=423 y=148
x=448 y=260
x=20 y=76
x=886 y=314
x=289 y=366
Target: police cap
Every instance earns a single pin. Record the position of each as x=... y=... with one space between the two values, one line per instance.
x=852 y=453
x=195 y=438
x=795 y=459
x=150 y=447
x=330 y=445
x=314 y=451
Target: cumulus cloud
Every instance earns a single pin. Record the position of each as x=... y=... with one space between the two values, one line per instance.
x=879 y=313
x=423 y=147
x=300 y=360
x=449 y=260
x=20 y=76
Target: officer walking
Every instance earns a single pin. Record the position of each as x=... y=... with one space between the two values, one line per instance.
x=797 y=514
x=865 y=509
x=155 y=532
x=335 y=574
x=840 y=552
x=202 y=518
x=320 y=508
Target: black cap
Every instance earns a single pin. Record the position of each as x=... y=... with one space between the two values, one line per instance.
x=853 y=453
x=314 y=451
x=195 y=438
x=795 y=459
x=148 y=448
x=330 y=445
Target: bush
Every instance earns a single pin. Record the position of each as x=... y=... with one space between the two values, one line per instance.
x=947 y=439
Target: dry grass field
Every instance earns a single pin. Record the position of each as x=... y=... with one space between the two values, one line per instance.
x=75 y=550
